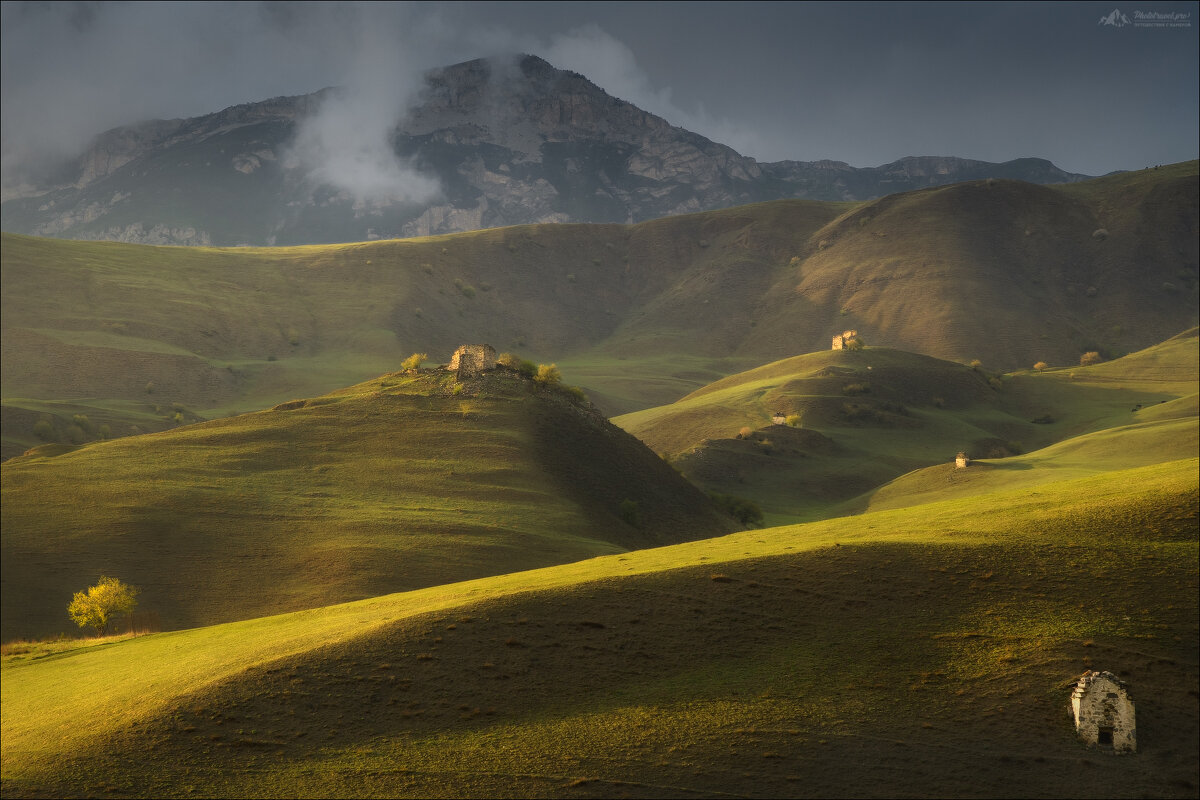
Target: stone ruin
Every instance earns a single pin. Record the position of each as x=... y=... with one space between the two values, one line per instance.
x=779 y=418
x=962 y=461
x=471 y=359
x=1103 y=712
x=841 y=340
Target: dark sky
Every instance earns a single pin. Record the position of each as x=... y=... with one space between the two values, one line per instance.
x=863 y=83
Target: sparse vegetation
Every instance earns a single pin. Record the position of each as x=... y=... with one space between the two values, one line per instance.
x=97 y=606
x=744 y=511
x=547 y=375
x=414 y=362
x=629 y=512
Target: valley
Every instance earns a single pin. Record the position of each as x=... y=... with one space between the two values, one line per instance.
x=381 y=581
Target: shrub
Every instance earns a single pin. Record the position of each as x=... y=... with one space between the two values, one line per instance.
x=100 y=603
x=976 y=364
x=744 y=511
x=793 y=420
x=856 y=388
x=854 y=345
x=508 y=360
x=1089 y=358
x=629 y=512
x=149 y=387
x=414 y=361
x=44 y=430
x=1100 y=234
x=995 y=383
x=547 y=375
x=1041 y=365
x=939 y=402
x=745 y=432
x=575 y=393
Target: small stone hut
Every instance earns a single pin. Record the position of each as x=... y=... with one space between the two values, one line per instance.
x=1103 y=712
x=840 y=341
x=471 y=359
x=962 y=461
x=779 y=418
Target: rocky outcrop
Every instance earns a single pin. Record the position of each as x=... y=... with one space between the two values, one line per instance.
x=509 y=140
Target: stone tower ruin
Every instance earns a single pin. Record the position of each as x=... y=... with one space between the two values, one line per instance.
x=840 y=341
x=471 y=359
x=1103 y=712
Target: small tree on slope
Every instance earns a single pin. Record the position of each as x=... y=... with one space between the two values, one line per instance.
x=96 y=607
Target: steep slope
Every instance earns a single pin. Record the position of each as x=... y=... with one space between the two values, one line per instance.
x=401 y=482
x=510 y=140
x=639 y=314
x=862 y=418
x=921 y=651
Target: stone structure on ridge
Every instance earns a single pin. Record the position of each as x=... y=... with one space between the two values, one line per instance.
x=1103 y=712
x=471 y=359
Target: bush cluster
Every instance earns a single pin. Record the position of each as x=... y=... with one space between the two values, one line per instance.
x=744 y=511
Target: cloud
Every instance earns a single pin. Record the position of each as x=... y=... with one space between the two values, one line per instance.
x=347 y=143
x=74 y=70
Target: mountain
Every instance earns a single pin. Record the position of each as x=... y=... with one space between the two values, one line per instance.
x=408 y=480
x=510 y=140
x=1006 y=272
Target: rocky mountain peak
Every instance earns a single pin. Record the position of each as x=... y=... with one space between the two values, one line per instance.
x=509 y=139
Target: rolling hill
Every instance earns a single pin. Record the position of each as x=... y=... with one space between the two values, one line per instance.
x=405 y=481
x=1009 y=273
x=927 y=649
x=863 y=418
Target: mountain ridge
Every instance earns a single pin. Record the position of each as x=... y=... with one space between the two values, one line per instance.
x=511 y=140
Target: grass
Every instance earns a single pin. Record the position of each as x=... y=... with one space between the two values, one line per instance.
x=408 y=480
x=645 y=311
x=915 y=650
x=919 y=412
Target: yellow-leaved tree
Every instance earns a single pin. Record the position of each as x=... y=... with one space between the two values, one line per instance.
x=96 y=607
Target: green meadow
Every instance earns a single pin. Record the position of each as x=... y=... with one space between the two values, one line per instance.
x=855 y=655
x=382 y=583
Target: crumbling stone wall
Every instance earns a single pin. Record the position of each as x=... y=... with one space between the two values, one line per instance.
x=1103 y=712
x=471 y=359
x=839 y=341
x=962 y=461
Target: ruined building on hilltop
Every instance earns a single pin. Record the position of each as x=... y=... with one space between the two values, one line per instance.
x=844 y=338
x=471 y=359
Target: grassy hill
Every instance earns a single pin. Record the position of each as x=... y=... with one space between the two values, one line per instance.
x=405 y=481
x=920 y=650
x=128 y=336
x=866 y=417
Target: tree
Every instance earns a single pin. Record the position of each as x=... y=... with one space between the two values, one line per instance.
x=414 y=361
x=1089 y=358
x=100 y=603
x=547 y=374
